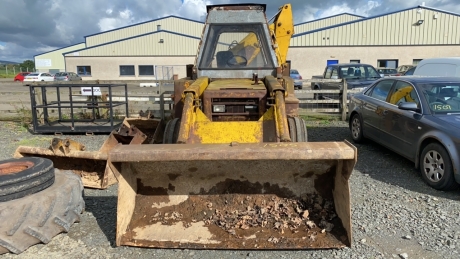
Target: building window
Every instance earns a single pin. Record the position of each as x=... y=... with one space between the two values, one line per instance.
x=145 y=70
x=127 y=71
x=355 y=61
x=84 y=70
x=416 y=61
x=390 y=63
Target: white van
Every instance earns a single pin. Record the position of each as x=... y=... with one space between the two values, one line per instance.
x=438 y=67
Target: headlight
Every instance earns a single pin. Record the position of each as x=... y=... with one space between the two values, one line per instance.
x=218 y=108
x=250 y=107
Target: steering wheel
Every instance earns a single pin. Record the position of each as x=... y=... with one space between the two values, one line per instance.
x=237 y=61
x=234 y=43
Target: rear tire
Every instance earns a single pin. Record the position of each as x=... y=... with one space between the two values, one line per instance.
x=171 y=131
x=356 y=128
x=317 y=96
x=436 y=168
x=39 y=217
x=297 y=129
x=24 y=176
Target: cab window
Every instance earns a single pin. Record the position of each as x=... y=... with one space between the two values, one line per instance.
x=381 y=90
x=403 y=92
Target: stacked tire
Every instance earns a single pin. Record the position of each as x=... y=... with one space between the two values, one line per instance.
x=37 y=202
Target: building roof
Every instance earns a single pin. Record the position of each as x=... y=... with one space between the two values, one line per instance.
x=328 y=17
x=373 y=17
x=129 y=38
x=136 y=24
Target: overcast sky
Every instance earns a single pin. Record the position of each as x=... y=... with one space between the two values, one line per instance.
x=31 y=27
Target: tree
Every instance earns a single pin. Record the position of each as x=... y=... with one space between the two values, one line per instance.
x=28 y=65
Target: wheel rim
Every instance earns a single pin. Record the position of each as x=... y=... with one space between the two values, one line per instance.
x=356 y=128
x=14 y=167
x=433 y=165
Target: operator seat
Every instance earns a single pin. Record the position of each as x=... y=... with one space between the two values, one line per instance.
x=222 y=57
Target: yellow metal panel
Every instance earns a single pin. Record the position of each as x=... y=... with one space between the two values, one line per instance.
x=229 y=131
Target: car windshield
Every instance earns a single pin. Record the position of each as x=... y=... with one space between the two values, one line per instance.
x=359 y=72
x=388 y=71
x=443 y=98
x=294 y=71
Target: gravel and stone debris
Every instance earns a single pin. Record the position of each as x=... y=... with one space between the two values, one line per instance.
x=389 y=203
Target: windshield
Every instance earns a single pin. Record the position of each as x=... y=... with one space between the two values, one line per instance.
x=388 y=71
x=359 y=72
x=442 y=97
x=233 y=46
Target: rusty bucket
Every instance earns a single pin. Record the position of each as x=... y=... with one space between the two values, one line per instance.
x=92 y=166
x=235 y=196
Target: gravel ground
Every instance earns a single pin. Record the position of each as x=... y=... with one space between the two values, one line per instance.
x=394 y=214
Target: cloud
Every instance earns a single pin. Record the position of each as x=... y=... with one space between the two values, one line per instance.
x=27 y=27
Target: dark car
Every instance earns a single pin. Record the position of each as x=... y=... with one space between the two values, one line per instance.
x=416 y=117
x=297 y=78
x=20 y=76
x=358 y=77
x=386 y=72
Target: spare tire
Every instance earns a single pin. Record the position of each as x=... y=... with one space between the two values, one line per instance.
x=38 y=217
x=24 y=176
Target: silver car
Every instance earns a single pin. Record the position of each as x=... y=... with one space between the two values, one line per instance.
x=66 y=76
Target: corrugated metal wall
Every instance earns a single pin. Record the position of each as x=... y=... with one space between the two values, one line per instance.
x=54 y=59
x=148 y=45
x=174 y=24
x=326 y=22
x=393 y=29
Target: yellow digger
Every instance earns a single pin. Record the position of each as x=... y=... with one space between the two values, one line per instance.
x=235 y=169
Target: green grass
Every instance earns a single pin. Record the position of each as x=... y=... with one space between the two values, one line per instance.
x=34 y=141
x=315 y=120
x=9 y=75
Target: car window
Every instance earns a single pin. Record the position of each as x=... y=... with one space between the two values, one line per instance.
x=404 y=92
x=294 y=71
x=335 y=73
x=441 y=97
x=33 y=74
x=328 y=73
x=381 y=90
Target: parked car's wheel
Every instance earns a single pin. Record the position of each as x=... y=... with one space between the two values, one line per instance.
x=436 y=168
x=356 y=128
x=317 y=96
x=38 y=217
x=24 y=176
x=171 y=131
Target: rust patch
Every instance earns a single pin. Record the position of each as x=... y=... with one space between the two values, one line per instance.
x=242 y=221
x=173 y=177
x=14 y=167
x=193 y=169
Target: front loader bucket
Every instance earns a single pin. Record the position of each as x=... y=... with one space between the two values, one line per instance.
x=237 y=196
x=89 y=165
x=93 y=167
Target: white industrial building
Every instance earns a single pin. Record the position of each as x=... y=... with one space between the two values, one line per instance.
x=160 y=48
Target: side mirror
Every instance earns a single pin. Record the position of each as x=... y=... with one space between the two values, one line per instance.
x=409 y=106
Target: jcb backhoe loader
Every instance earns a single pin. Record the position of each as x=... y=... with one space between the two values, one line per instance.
x=235 y=170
